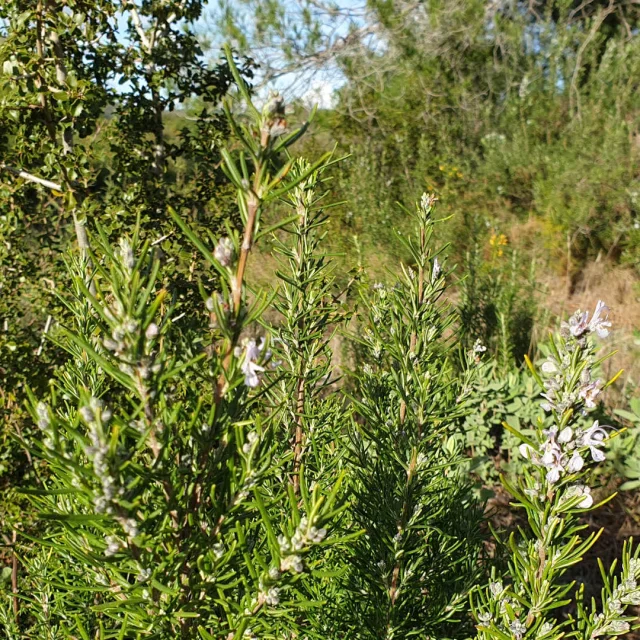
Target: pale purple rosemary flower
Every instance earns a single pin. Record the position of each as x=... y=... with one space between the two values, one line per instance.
x=594 y=438
x=579 y=322
x=554 y=463
x=599 y=324
x=250 y=367
x=589 y=392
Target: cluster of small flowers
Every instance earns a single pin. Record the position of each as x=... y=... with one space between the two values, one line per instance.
x=95 y=415
x=507 y=606
x=627 y=593
x=372 y=339
x=560 y=391
x=125 y=331
x=562 y=450
x=579 y=325
x=561 y=453
x=129 y=526
x=113 y=546
x=304 y=536
x=498 y=592
x=224 y=252
x=122 y=343
x=270 y=596
x=559 y=395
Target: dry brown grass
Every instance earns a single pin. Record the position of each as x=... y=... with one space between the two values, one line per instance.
x=618 y=287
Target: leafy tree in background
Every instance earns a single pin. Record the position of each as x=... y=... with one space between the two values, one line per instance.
x=109 y=111
x=504 y=109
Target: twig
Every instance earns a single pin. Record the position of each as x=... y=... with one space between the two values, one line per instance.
x=137 y=23
x=162 y=239
x=14 y=576
x=31 y=178
x=44 y=335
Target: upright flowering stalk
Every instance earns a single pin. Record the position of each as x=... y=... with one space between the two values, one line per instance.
x=554 y=490
x=308 y=301
x=257 y=171
x=409 y=575
x=308 y=407
x=163 y=505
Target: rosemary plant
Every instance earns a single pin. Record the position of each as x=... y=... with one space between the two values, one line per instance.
x=410 y=573
x=162 y=503
x=555 y=492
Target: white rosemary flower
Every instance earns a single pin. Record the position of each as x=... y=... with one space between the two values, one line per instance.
x=271 y=597
x=292 y=563
x=113 y=546
x=152 y=331
x=518 y=629
x=565 y=435
x=580 y=490
x=224 y=251
x=485 y=617
x=249 y=366
x=575 y=463
x=478 y=347
x=546 y=628
x=617 y=627
x=589 y=392
x=274 y=573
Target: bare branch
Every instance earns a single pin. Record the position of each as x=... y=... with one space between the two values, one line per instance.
x=137 y=23
x=31 y=178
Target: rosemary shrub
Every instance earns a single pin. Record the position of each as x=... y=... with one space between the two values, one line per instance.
x=216 y=479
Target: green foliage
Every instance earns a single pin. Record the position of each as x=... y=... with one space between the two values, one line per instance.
x=521 y=113
x=554 y=490
x=624 y=450
x=193 y=482
x=498 y=306
x=196 y=457
x=418 y=556
x=162 y=510
x=497 y=399
x=86 y=133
